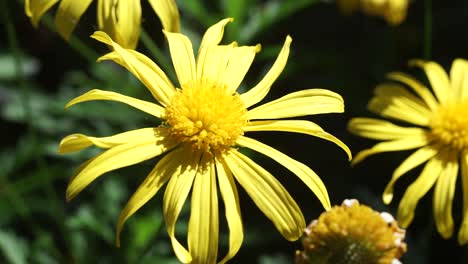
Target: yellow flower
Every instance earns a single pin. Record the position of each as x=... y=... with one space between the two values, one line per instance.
x=204 y=121
x=352 y=233
x=120 y=19
x=393 y=11
x=440 y=134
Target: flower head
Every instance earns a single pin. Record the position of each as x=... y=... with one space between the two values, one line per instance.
x=440 y=135
x=204 y=122
x=393 y=11
x=120 y=19
x=352 y=233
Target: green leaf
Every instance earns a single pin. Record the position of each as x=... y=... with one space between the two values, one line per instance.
x=14 y=248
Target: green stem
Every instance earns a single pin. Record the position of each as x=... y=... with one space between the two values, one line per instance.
x=427 y=30
x=160 y=57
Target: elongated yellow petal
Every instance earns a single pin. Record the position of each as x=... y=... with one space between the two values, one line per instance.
x=296 y=126
x=161 y=173
x=459 y=79
x=381 y=129
x=438 y=78
x=182 y=57
x=257 y=93
x=301 y=103
x=115 y=158
x=463 y=233
x=443 y=196
x=211 y=38
x=215 y=62
x=417 y=87
x=168 y=13
x=307 y=175
x=268 y=194
x=34 y=9
x=77 y=142
x=393 y=145
x=176 y=193
x=68 y=15
x=141 y=67
x=239 y=63
x=93 y=95
x=228 y=191
x=417 y=158
x=417 y=190
x=203 y=224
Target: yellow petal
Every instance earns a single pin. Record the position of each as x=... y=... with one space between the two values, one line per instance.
x=393 y=145
x=68 y=15
x=443 y=196
x=417 y=158
x=203 y=223
x=417 y=190
x=463 y=233
x=231 y=203
x=147 y=107
x=381 y=129
x=268 y=194
x=459 y=79
x=215 y=62
x=34 y=9
x=77 y=142
x=437 y=77
x=182 y=57
x=211 y=38
x=301 y=103
x=161 y=173
x=141 y=67
x=115 y=158
x=308 y=176
x=168 y=13
x=176 y=193
x=296 y=126
x=257 y=93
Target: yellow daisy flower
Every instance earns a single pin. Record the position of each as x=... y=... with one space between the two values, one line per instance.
x=440 y=134
x=393 y=11
x=120 y=19
x=203 y=125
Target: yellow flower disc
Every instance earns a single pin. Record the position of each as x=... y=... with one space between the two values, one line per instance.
x=449 y=125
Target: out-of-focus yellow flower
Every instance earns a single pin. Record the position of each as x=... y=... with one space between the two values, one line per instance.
x=121 y=19
x=393 y=11
x=440 y=133
x=204 y=121
x=353 y=234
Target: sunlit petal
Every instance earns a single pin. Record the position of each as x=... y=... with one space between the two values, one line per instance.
x=68 y=15
x=459 y=79
x=437 y=77
x=182 y=57
x=168 y=13
x=381 y=129
x=34 y=9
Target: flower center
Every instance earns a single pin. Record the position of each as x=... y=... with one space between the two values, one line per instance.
x=449 y=126
x=204 y=115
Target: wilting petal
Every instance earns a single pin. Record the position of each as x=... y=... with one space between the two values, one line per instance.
x=141 y=67
x=115 y=158
x=231 y=204
x=268 y=194
x=437 y=77
x=393 y=145
x=417 y=87
x=381 y=129
x=463 y=233
x=68 y=15
x=296 y=126
x=182 y=57
x=308 y=176
x=418 y=189
x=257 y=93
x=175 y=195
x=77 y=142
x=34 y=9
x=168 y=13
x=93 y=95
x=301 y=103
x=417 y=158
x=203 y=224
x=443 y=196
x=459 y=79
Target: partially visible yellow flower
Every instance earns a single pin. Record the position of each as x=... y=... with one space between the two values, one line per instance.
x=353 y=234
x=393 y=11
x=121 y=19
x=204 y=121
x=439 y=132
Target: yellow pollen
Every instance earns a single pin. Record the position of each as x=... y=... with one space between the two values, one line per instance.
x=204 y=115
x=449 y=125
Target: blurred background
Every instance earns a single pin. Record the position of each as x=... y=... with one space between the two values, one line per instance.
x=40 y=73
